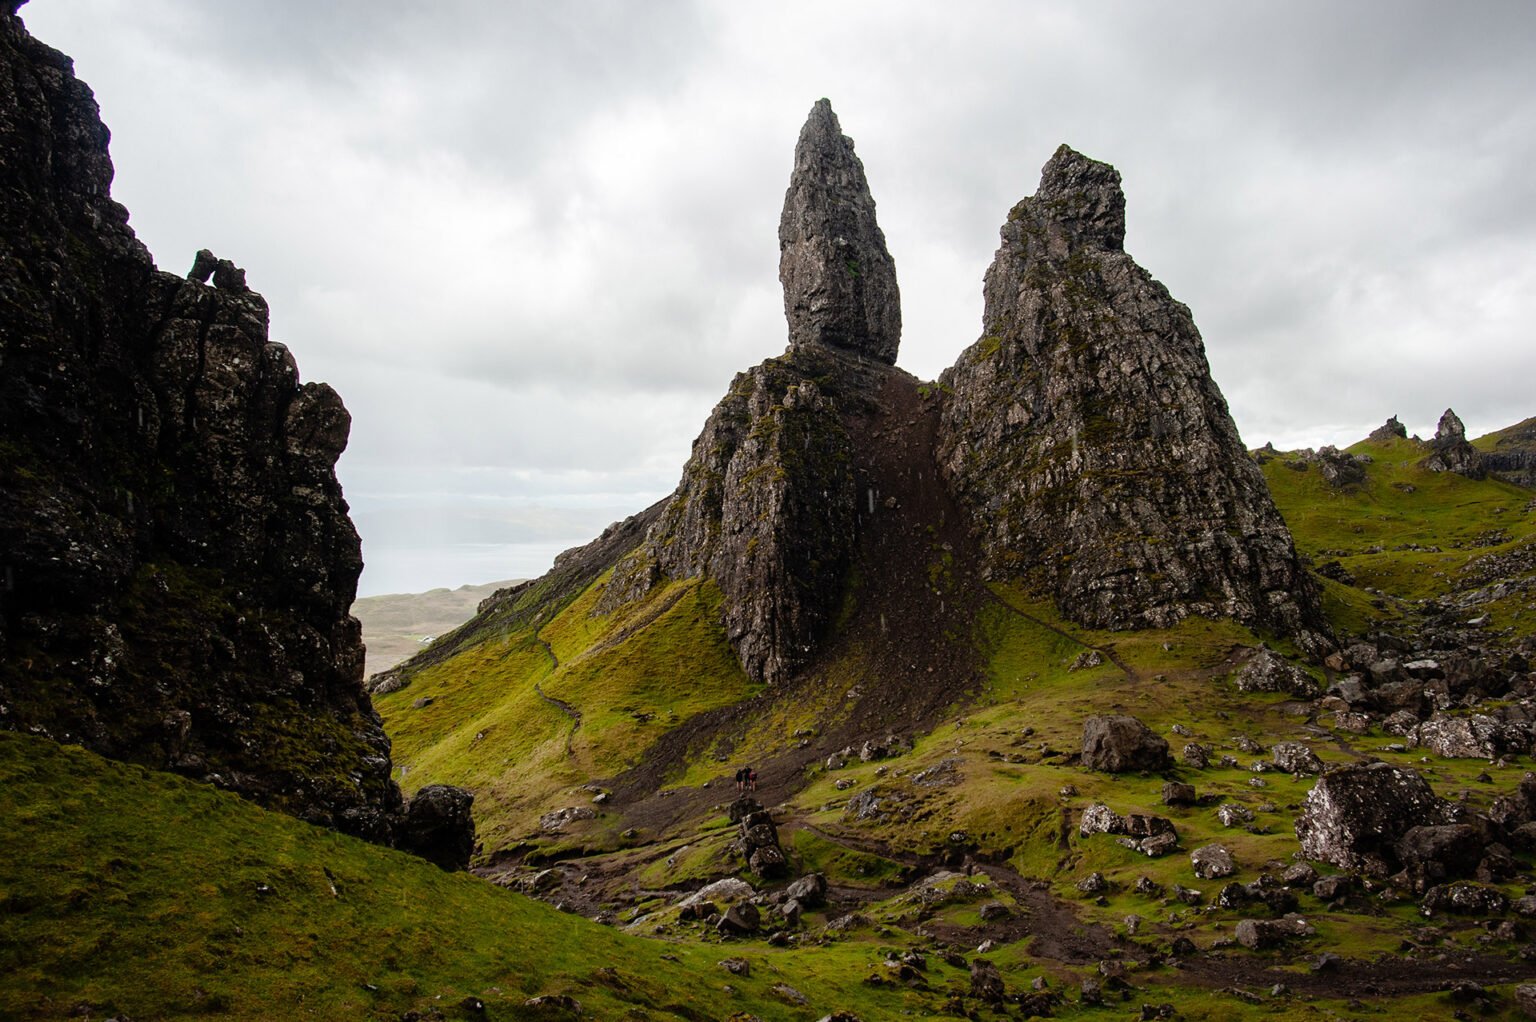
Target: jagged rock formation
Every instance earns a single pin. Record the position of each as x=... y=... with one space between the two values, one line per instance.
x=176 y=555
x=1513 y=457
x=1392 y=429
x=1451 y=451
x=839 y=280
x=1088 y=440
x=766 y=505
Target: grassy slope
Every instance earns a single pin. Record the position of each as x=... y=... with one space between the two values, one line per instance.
x=629 y=675
x=124 y=891
x=1401 y=505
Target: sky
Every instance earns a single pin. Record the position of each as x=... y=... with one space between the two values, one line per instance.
x=531 y=243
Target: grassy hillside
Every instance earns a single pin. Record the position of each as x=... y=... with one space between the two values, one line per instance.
x=137 y=894
x=530 y=716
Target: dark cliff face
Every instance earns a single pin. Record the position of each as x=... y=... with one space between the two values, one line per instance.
x=1088 y=440
x=176 y=559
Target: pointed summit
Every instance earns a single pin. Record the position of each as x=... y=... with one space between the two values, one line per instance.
x=839 y=280
x=1082 y=197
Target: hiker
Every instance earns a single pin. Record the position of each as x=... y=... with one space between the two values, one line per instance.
x=751 y=779
x=741 y=779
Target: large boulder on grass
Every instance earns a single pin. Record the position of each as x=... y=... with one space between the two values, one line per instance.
x=1118 y=744
x=1355 y=815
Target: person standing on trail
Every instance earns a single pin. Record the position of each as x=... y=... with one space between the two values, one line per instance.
x=751 y=779
x=741 y=779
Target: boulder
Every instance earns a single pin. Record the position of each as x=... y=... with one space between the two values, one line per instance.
x=1296 y=758
x=438 y=826
x=1464 y=899
x=1262 y=934
x=1354 y=816
x=727 y=890
x=1176 y=793
x=1443 y=852
x=986 y=981
x=810 y=890
x=1118 y=743
x=1098 y=818
x=1212 y=862
x=740 y=920
x=1476 y=737
x=1267 y=671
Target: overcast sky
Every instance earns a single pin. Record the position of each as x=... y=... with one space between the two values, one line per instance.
x=530 y=243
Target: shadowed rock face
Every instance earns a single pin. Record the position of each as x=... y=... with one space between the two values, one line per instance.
x=1086 y=435
x=839 y=281
x=176 y=559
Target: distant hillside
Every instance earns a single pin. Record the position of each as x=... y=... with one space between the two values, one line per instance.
x=398 y=625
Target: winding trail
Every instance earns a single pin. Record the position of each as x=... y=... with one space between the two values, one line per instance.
x=559 y=704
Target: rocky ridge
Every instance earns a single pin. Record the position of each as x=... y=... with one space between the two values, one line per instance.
x=176 y=554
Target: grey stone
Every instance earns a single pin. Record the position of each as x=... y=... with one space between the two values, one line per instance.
x=1354 y=815
x=1086 y=436
x=1119 y=743
x=1267 y=671
x=839 y=280
x=1211 y=862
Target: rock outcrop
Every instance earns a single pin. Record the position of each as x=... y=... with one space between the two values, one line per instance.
x=1388 y=431
x=1088 y=440
x=766 y=505
x=1513 y=454
x=1450 y=450
x=176 y=555
x=839 y=280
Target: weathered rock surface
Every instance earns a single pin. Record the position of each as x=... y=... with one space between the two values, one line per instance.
x=1513 y=456
x=1261 y=934
x=1267 y=671
x=1088 y=439
x=438 y=826
x=1392 y=429
x=1355 y=815
x=766 y=509
x=176 y=558
x=1451 y=452
x=1119 y=743
x=839 y=280
x=1212 y=862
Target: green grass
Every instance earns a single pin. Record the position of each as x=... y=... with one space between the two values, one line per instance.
x=630 y=676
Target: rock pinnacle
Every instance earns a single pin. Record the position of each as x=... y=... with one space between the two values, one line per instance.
x=839 y=280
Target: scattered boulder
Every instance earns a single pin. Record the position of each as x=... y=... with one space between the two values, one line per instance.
x=1267 y=671
x=810 y=890
x=1177 y=793
x=986 y=981
x=1196 y=755
x=1354 y=815
x=1212 y=862
x=438 y=826
x=1262 y=934
x=1100 y=819
x=1476 y=737
x=730 y=889
x=1465 y=899
x=1296 y=758
x=1436 y=853
x=758 y=840
x=1118 y=743
x=1234 y=814
x=740 y=920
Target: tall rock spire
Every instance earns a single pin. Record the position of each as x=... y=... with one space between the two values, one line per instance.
x=1088 y=438
x=839 y=280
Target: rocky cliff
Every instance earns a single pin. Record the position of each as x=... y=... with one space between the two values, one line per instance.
x=1510 y=453
x=176 y=559
x=766 y=504
x=1085 y=435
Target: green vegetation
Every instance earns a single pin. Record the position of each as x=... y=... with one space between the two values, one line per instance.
x=490 y=717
